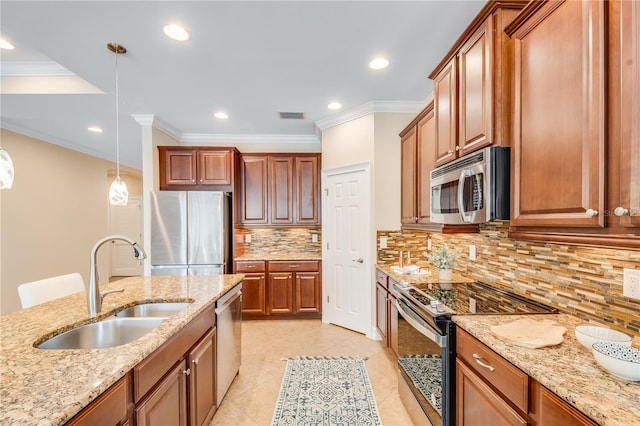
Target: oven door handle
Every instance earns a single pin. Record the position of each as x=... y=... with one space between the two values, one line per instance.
x=422 y=327
x=463 y=175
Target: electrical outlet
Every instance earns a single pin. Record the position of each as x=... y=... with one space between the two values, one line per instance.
x=472 y=252
x=631 y=283
x=429 y=244
x=472 y=305
x=383 y=242
x=247 y=238
x=314 y=238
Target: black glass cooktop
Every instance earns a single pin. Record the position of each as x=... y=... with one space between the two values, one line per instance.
x=476 y=298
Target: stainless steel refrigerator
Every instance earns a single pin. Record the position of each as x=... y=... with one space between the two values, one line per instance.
x=190 y=232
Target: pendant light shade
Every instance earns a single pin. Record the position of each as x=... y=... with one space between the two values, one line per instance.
x=118 y=193
x=6 y=170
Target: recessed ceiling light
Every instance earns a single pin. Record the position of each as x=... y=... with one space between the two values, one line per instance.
x=221 y=115
x=4 y=44
x=95 y=129
x=176 y=32
x=378 y=63
x=334 y=105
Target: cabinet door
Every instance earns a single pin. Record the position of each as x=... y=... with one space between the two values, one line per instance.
x=178 y=167
x=202 y=383
x=308 y=292
x=476 y=90
x=253 y=203
x=253 y=294
x=559 y=116
x=445 y=94
x=548 y=409
x=307 y=186
x=624 y=107
x=215 y=167
x=167 y=404
x=280 y=293
x=281 y=196
x=381 y=311
x=408 y=177
x=478 y=404
x=426 y=163
x=393 y=324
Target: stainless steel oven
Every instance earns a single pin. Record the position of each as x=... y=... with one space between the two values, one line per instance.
x=426 y=340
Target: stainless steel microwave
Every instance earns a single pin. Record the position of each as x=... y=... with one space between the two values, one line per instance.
x=472 y=189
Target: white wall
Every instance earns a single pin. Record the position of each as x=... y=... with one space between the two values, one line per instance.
x=55 y=212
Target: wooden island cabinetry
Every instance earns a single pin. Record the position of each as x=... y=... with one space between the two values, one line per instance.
x=386 y=311
x=197 y=168
x=576 y=144
x=280 y=189
x=278 y=288
x=491 y=390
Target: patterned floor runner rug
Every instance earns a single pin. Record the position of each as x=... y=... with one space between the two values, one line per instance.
x=326 y=391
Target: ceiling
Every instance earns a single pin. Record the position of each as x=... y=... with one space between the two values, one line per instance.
x=250 y=59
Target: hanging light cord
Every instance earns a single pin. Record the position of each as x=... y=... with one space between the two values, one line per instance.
x=117 y=120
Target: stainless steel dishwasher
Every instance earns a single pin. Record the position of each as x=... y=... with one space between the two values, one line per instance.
x=229 y=339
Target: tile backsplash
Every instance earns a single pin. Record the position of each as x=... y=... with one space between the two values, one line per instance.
x=583 y=281
x=277 y=240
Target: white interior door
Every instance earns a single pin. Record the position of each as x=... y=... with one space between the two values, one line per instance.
x=346 y=256
x=127 y=221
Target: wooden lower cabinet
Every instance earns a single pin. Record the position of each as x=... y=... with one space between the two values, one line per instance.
x=275 y=289
x=381 y=311
x=202 y=384
x=491 y=390
x=167 y=404
x=386 y=311
x=110 y=408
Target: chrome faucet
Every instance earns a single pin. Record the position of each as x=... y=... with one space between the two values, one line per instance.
x=94 y=296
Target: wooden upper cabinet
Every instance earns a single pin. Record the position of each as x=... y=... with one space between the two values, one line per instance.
x=559 y=115
x=408 y=176
x=280 y=189
x=426 y=156
x=624 y=109
x=253 y=183
x=471 y=85
x=196 y=169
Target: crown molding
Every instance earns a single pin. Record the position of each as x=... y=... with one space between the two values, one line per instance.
x=26 y=69
x=199 y=138
x=144 y=119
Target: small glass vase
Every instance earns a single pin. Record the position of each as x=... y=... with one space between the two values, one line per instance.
x=445 y=274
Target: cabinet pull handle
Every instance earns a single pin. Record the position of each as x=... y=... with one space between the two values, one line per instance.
x=187 y=371
x=251 y=266
x=620 y=211
x=591 y=213
x=293 y=266
x=482 y=362
x=195 y=361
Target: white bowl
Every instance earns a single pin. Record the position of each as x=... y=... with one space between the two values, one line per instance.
x=590 y=334
x=621 y=361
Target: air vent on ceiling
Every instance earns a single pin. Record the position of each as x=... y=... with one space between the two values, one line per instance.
x=291 y=115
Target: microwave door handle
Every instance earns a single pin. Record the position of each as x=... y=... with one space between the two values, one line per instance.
x=463 y=175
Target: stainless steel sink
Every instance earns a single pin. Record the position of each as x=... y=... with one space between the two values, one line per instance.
x=103 y=334
x=160 y=309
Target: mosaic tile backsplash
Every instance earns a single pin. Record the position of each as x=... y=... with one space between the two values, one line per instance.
x=583 y=281
x=277 y=240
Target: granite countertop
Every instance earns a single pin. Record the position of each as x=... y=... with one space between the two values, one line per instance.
x=48 y=387
x=569 y=370
x=430 y=277
x=280 y=256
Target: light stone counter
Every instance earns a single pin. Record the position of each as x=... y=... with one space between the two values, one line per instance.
x=281 y=256
x=569 y=370
x=48 y=387
x=430 y=278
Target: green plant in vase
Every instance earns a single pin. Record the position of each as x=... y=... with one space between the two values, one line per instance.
x=444 y=259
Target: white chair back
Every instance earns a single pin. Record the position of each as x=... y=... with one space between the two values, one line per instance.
x=37 y=292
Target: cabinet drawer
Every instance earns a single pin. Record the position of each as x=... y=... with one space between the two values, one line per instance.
x=502 y=375
x=287 y=266
x=109 y=408
x=381 y=278
x=251 y=266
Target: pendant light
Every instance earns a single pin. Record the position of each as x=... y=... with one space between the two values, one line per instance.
x=6 y=169
x=118 y=193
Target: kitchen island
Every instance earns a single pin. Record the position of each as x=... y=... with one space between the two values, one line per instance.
x=568 y=369
x=48 y=387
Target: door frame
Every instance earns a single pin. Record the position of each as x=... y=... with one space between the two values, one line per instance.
x=136 y=199
x=368 y=249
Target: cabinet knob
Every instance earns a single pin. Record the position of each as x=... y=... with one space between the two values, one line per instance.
x=187 y=371
x=450 y=152
x=195 y=361
x=591 y=213
x=201 y=180
x=457 y=148
x=193 y=180
x=620 y=211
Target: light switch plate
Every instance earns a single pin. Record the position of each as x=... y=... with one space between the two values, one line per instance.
x=631 y=283
x=383 y=242
x=247 y=238
x=472 y=252
x=429 y=244
x=314 y=238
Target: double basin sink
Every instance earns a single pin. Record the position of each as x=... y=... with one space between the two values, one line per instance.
x=126 y=326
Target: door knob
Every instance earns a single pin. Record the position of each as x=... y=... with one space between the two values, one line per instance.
x=591 y=213
x=620 y=211
x=359 y=260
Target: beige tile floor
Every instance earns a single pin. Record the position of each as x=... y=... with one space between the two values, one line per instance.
x=252 y=397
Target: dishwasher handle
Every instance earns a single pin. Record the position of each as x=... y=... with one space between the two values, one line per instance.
x=228 y=302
